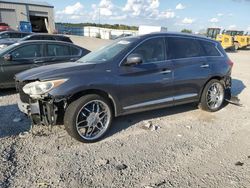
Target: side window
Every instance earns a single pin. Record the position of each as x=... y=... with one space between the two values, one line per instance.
x=28 y=51
x=15 y=35
x=75 y=51
x=210 y=49
x=58 y=50
x=4 y=35
x=152 y=50
x=183 y=48
x=34 y=38
x=66 y=39
x=47 y=38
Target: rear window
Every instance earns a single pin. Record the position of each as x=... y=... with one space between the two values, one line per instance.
x=210 y=49
x=179 y=48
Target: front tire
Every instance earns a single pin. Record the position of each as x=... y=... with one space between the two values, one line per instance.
x=88 y=118
x=213 y=96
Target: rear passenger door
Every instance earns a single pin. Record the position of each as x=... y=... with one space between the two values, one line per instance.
x=191 y=69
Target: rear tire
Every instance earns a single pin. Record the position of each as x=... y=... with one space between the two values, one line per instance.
x=88 y=118
x=213 y=96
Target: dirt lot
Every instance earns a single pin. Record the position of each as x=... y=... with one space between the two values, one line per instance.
x=191 y=148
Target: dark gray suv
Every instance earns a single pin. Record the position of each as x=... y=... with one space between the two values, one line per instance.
x=131 y=75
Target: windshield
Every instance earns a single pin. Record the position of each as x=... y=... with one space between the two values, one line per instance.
x=108 y=52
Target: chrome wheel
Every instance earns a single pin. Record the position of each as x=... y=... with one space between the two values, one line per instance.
x=93 y=120
x=215 y=96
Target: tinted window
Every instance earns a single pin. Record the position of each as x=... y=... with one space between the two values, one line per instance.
x=151 y=50
x=65 y=39
x=183 y=48
x=210 y=49
x=47 y=38
x=15 y=35
x=75 y=51
x=34 y=38
x=28 y=51
x=58 y=50
x=4 y=36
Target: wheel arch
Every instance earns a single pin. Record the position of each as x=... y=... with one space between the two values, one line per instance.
x=99 y=92
x=217 y=77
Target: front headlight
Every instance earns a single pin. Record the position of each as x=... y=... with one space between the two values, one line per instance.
x=39 y=88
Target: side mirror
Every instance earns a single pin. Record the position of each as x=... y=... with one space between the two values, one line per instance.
x=133 y=59
x=7 y=57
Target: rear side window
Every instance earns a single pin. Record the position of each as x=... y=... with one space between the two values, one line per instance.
x=58 y=50
x=210 y=49
x=47 y=38
x=75 y=51
x=65 y=39
x=179 y=48
x=152 y=50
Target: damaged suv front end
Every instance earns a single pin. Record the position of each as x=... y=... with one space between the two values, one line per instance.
x=37 y=103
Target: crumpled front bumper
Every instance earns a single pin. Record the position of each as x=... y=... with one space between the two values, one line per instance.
x=40 y=112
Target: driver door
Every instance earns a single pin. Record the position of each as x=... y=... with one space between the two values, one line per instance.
x=150 y=84
x=20 y=59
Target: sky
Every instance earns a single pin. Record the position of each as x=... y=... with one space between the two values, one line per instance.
x=196 y=15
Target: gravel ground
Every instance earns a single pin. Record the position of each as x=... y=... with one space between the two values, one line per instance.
x=189 y=148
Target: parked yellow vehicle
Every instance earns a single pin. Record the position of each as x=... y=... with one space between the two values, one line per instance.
x=226 y=40
x=240 y=40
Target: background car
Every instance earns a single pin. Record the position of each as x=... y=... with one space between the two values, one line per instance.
x=29 y=54
x=12 y=35
x=4 y=27
x=34 y=36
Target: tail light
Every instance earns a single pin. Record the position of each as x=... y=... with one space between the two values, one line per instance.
x=230 y=63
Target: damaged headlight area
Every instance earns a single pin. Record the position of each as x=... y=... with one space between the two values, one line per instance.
x=37 y=88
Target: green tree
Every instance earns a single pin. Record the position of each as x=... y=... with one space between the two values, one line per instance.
x=186 y=31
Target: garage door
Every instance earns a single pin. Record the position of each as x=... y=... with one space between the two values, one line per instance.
x=9 y=16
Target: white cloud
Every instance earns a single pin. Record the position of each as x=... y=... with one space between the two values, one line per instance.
x=214 y=20
x=134 y=6
x=187 y=21
x=122 y=17
x=106 y=7
x=220 y=14
x=248 y=29
x=180 y=6
x=72 y=9
x=167 y=14
x=232 y=26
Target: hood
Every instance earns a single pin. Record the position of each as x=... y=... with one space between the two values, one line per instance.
x=53 y=71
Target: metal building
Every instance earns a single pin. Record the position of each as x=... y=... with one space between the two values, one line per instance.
x=39 y=14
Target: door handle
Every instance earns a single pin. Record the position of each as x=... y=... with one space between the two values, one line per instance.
x=205 y=66
x=166 y=71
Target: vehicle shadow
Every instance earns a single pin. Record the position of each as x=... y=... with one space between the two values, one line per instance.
x=5 y=92
x=124 y=122
x=12 y=121
x=237 y=87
